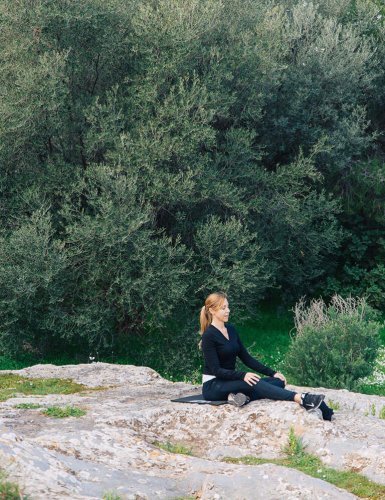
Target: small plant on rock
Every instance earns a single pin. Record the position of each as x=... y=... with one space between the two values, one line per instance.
x=110 y=495
x=373 y=410
x=334 y=405
x=173 y=448
x=28 y=406
x=295 y=446
x=68 y=411
x=8 y=490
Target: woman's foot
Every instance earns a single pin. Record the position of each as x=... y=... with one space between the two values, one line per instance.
x=327 y=413
x=238 y=399
x=311 y=401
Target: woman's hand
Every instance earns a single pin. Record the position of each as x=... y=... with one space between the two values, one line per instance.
x=251 y=378
x=280 y=376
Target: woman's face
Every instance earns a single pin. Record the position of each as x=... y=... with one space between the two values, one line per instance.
x=221 y=314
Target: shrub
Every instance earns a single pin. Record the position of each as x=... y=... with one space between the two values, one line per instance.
x=31 y=262
x=335 y=345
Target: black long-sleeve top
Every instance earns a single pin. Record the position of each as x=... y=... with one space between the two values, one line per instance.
x=220 y=355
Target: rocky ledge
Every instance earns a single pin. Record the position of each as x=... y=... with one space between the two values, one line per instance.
x=111 y=448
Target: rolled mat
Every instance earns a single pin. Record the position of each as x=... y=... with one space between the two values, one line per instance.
x=198 y=398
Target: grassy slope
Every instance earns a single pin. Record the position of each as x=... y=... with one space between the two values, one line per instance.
x=268 y=338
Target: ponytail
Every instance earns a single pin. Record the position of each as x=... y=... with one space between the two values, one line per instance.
x=214 y=301
x=205 y=319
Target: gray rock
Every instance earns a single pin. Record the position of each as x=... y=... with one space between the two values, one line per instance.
x=269 y=482
x=111 y=448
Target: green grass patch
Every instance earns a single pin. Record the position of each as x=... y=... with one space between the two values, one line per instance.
x=297 y=458
x=8 y=490
x=174 y=448
x=268 y=337
x=372 y=390
x=12 y=385
x=63 y=412
x=11 y=364
x=27 y=406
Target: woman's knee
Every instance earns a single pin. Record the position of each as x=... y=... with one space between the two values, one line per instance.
x=220 y=389
x=276 y=381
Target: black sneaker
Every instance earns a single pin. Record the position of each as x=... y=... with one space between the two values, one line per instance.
x=311 y=401
x=238 y=399
x=328 y=415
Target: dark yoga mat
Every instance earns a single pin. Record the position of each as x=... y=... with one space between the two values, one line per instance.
x=198 y=398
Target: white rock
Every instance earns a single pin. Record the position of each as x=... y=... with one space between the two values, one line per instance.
x=111 y=447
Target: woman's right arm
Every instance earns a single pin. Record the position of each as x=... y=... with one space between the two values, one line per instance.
x=212 y=361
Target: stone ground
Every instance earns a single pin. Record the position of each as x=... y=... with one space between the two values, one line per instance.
x=111 y=449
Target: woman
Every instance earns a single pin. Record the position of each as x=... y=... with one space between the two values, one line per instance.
x=221 y=345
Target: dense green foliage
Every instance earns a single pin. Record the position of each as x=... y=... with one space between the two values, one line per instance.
x=335 y=345
x=152 y=151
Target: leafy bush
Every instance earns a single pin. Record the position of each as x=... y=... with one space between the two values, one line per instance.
x=361 y=281
x=31 y=261
x=335 y=345
x=360 y=270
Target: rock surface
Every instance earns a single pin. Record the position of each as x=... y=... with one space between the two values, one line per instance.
x=111 y=448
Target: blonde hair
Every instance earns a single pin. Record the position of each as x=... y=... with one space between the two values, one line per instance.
x=213 y=301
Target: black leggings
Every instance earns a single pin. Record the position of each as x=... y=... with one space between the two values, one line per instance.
x=271 y=388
